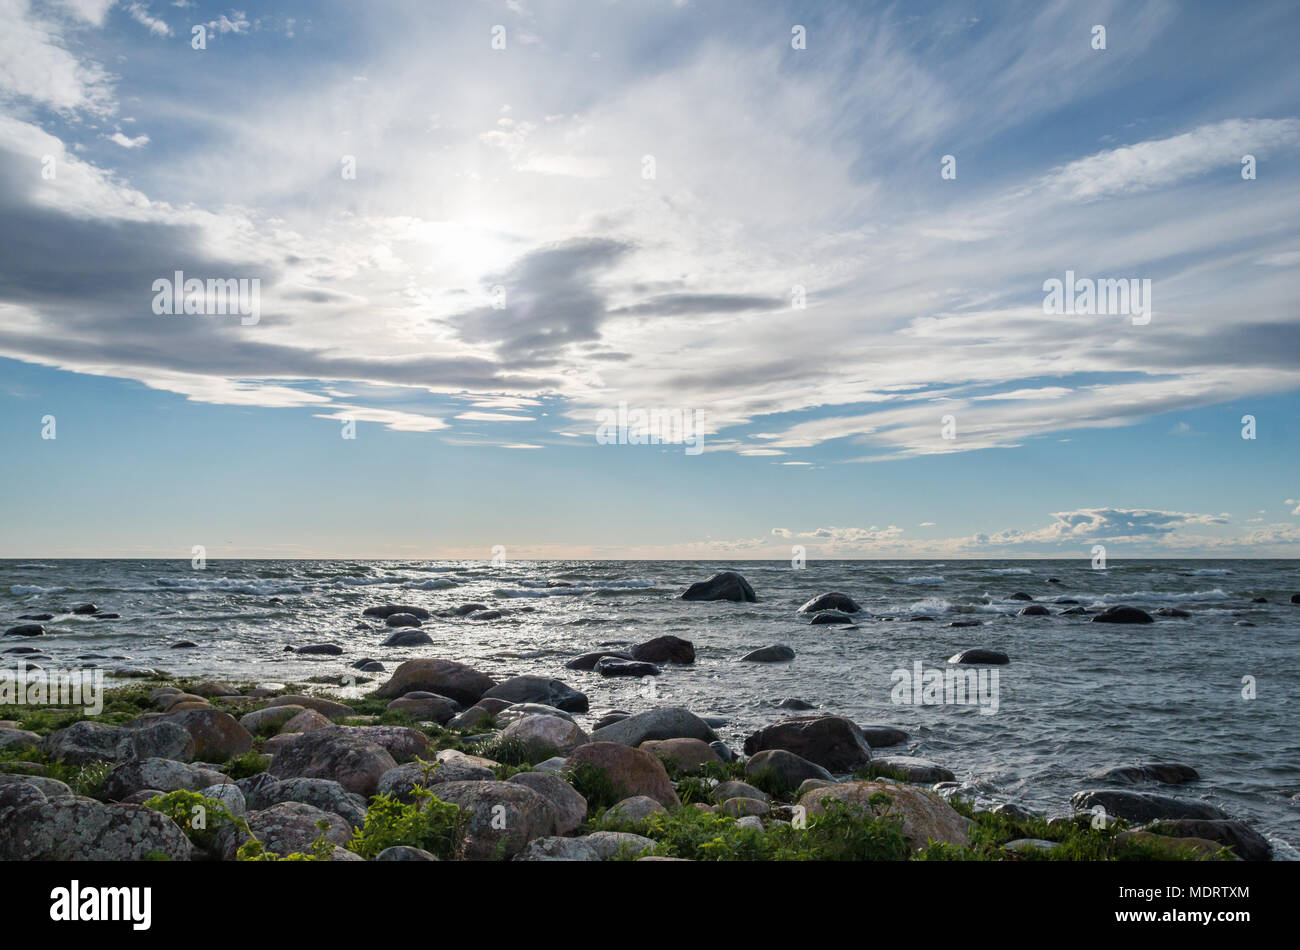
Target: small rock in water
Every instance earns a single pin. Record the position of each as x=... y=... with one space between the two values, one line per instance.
x=879 y=737
x=1172 y=612
x=1020 y=595
x=1074 y=610
x=320 y=649
x=1034 y=610
x=665 y=649
x=1257 y=600
x=967 y=623
x=1168 y=773
x=793 y=703
x=1295 y=598
x=611 y=666
x=833 y=600
x=1067 y=602
x=772 y=654
x=190 y=644
x=26 y=630
x=407 y=638
x=912 y=768
x=1121 y=613
x=588 y=661
x=464 y=609
x=919 y=618
x=36 y=617
x=830 y=616
x=402 y=620
x=725 y=585
x=85 y=609
x=489 y=614
x=1243 y=623
x=992 y=657
x=1142 y=806
x=387 y=610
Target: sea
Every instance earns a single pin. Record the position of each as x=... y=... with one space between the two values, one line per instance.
x=1218 y=690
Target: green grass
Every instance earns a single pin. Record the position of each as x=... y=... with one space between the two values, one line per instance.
x=435 y=826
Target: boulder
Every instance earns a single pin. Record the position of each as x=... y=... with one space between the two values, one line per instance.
x=772 y=654
x=162 y=774
x=1020 y=595
x=336 y=753
x=831 y=601
x=636 y=808
x=516 y=711
x=737 y=789
x=555 y=848
x=538 y=689
x=18 y=739
x=686 y=754
x=608 y=844
x=833 y=742
x=308 y=720
x=402 y=620
x=286 y=828
x=1175 y=848
x=783 y=770
x=80 y=829
x=86 y=741
x=217 y=735
x=1247 y=843
x=1173 y=612
x=544 y=736
x=665 y=649
x=667 y=722
x=1142 y=806
x=211 y=690
x=1034 y=610
x=403 y=852
x=981 y=657
x=1167 y=772
x=269 y=721
x=425 y=706
x=631 y=771
x=909 y=768
x=830 y=616
x=230 y=795
x=403 y=743
x=879 y=737
x=725 y=585
x=387 y=610
x=569 y=807
x=1123 y=614
x=611 y=666
x=326 y=707
x=588 y=661
x=501 y=817
x=744 y=808
x=444 y=677
x=320 y=649
x=263 y=791
x=26 y=630
x=407 y=638
x=926 y=817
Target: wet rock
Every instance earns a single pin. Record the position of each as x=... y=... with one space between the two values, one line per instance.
x=388 y=610
x=723 y=751
x=879 y=737
x=184 y=645
x=1034 y=610
x=538 y=689
x=980 y=656
x=631 y=771
x=665 y=649
x=444 y=677
x=1172 y=612
x=773 y=654
x=474 y=716
x=1074 y=610
x=797 y=704
x=725 y=585
x=610 y=718
x=402 y=620
x=490 y=614
x=1142 y=806
x=319 y=649
x=1174 y=848
x=830 y=616
x=667 y=722
x=26 y=630
x=465 y=609
x=1121 y=613
x=833 y=600
x=912 y=769
x=588 y=661
x=36 y=616
x=926 y=817
x=338 y=753
x=85 y=609
x=966 y=623
x=1168 y=773
x=832 y=742
x=610 y=666
x=1247 y=843
x=1020 y=595
x=407 y=638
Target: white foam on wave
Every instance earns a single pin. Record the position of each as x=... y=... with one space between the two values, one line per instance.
x=1008 y=570
x=579 y=587
x=931 y=605
x=225 y=585
x=926 y=579
x=1139 y=595
x=21 y=589
x=33 y=567
x=434 y=583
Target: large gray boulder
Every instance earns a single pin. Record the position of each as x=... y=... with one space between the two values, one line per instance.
x=667 y=722
x=286 y=828
x=569 y=807
x=86 y=741
x=1143 y=806
x=725 y=585
x=831 y=601
x=444 y=677
x=322 y=793
x=37 y=828
x=501 y=817
x=783 y=770
x=336 y=753
x=162 y=774
x=539 y=689
x=833 y=742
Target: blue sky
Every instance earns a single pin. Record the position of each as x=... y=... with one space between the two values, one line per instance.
x=504 y=268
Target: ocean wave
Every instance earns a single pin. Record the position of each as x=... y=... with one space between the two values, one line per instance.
x=1139 y=595
x=21 y=589
x=225 y=585
x=34 y=567
x=1008 y=570
x=921 y=579
x=434 y=583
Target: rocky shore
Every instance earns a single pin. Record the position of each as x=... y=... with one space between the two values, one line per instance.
x=443 y=762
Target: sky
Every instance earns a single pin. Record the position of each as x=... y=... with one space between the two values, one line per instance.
x=815 y=240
